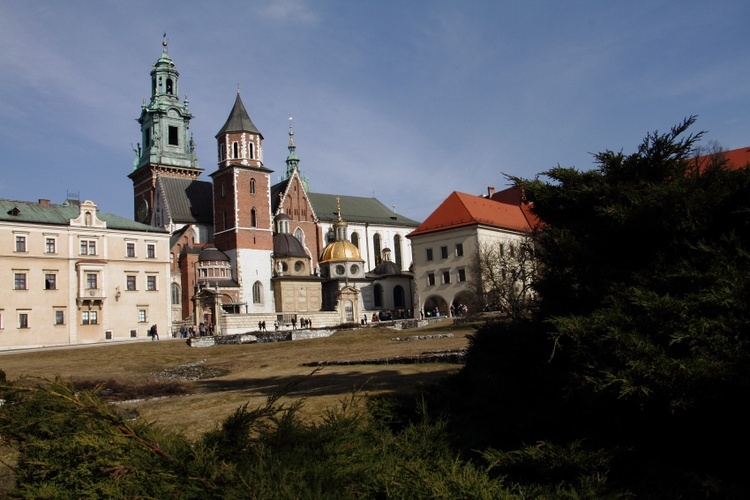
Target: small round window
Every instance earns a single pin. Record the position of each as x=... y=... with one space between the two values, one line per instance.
x=284 y=267
x=340 y=269
x=354 y=269
x=299 y=266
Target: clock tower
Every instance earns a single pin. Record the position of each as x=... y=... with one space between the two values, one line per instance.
x=166 y=148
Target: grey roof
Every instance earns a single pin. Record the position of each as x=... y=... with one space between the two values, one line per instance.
x=60 y=215
x=239 y=120
x=357 y=209
x=188 y=201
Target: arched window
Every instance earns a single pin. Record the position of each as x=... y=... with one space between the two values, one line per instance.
x=397 y=250
x=253 y=218
x=170 y=88
x=257 y=293
x=355 y=239
x=235 y=150
x=299 y=234
x=378 y=295
x=252 y=186
x=376 y=248
x=250 y=150
x=176 y=296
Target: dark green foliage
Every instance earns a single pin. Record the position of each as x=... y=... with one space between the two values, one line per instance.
x=640 y=347
x=73 y=445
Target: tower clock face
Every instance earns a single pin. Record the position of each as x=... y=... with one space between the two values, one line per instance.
x=143 y=211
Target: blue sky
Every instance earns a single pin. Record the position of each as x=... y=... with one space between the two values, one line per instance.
x=406 y=100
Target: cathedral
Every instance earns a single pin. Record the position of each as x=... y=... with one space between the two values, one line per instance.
x=245 y=250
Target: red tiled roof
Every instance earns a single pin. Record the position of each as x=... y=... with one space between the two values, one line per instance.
x=504 y=210
x=735 y=158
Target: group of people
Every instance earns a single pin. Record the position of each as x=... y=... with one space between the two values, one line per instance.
x=303 y=323
x=459 y=310
x=204 y=329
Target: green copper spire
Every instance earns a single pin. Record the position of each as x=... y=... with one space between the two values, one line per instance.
x=165 y=121
x=292 y=161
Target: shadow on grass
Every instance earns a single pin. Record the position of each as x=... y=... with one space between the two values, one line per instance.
x=320 y=383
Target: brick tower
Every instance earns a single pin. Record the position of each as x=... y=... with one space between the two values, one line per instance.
x=243 y=226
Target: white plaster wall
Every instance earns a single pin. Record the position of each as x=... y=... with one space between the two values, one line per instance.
x=252 y=266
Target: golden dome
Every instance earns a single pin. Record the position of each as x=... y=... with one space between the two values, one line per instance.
x=340 y=250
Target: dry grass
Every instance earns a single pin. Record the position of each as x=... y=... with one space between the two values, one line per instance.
x=251 y=372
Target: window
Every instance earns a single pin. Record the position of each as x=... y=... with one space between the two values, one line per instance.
x=20 y=281
x=446 y=277
x=459 y=249
x=250 y=149
x=23 y=320
x=355 y=239
x=88 y=318
x=91 y=281
x=130 y=282
x=397 y=251
x=176 y=296
x=252 y=186
x=257 y=293
x=253 y=218
x=462 y=275
x=235 y=150
x=130 y=249
x=444 y=252
x=20 y=243
x=88 y=247
x=173 y=136
x=431 y=279
x=429 y=254
x=50 y=245
x=223 y=191
x=170 y=86
x=151 y=251
x=59 y=317
x=142 y=316
x=151 y=283
x=50 y=281
x=376 y=249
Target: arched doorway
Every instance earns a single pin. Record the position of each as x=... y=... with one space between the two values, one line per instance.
x=435 y=306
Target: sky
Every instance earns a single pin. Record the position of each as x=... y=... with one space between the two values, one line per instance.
x=403 y=100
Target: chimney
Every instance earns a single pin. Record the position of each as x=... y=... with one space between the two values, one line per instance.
x=44 y=202
x=490 y=191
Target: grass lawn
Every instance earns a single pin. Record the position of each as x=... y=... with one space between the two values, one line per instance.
x=247 y=373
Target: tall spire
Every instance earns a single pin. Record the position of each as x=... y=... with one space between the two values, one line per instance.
x=292 y=160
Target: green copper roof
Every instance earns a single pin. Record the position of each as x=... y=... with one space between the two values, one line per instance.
x=25 y=212
x=356 y=209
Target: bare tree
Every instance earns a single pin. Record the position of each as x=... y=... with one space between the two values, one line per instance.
x=502 y=274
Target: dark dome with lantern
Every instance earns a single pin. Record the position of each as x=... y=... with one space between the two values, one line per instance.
x=386 y=267
x=286 y=245
x=212 y=254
